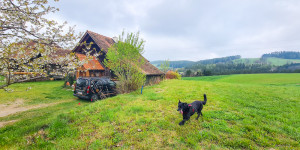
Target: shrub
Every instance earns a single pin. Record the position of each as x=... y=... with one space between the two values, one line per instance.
x=173 y=75
x=71 y=78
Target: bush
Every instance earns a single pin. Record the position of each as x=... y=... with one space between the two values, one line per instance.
x=173 y=75
x=71 y=78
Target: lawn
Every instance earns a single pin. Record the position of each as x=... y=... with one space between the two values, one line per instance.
x=259 y=111
x=36 y=92
x=262 y=79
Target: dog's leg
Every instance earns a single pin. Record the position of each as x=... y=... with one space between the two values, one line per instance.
x=198 y=115
x=182 y=122
x=185 y=118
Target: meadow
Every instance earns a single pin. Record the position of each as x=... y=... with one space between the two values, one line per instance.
x=257 y=111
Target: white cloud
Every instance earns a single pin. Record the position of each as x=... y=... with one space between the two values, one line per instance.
x=192 y=29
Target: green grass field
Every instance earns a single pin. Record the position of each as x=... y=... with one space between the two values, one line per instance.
x=258 y=111
x=36 y=92
x=284 y=79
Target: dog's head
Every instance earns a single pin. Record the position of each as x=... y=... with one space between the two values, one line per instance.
x=182 y=107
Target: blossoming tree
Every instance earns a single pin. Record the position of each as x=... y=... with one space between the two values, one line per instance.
x=23 y=22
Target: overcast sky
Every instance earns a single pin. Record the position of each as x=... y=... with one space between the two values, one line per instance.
x=192 y=29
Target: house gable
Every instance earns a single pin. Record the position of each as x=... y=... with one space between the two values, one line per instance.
x=102 y=43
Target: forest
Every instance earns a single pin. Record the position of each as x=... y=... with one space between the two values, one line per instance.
x=283 y=54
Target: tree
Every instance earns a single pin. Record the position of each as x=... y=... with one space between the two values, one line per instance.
x=188 y=73
x=124 y=59
x=165 y=65
x=207 y=73
x=23 y=22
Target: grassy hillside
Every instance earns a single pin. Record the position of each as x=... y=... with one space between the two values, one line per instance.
x=258 y=111
x=280 y=61
x=270 y=60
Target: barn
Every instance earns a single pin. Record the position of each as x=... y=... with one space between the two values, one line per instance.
x=95 y=67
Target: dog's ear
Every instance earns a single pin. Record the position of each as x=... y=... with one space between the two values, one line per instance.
x=179 y=101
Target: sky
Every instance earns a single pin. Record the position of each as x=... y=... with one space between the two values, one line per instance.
x=191 y=29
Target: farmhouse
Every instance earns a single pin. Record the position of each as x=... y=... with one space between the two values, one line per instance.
x=95 y=67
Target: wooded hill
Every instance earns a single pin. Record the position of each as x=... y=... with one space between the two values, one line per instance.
x=284 y=61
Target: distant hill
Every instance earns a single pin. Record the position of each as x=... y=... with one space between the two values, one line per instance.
x=283 y=54
x=247 y=60
x=173 y=64
x=267 y=60
x=273 y=62
x=280 y=61
x=230 y=59
x=219 y=60
x=186 y=63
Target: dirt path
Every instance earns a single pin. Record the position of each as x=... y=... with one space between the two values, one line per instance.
x=15 y=107
x=12 y=108
x=3 y=123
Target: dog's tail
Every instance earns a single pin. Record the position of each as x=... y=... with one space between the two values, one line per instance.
x=205 y=99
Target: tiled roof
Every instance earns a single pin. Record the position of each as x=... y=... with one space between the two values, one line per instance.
x=92 y=64
x=149 y=69
x=102 y=41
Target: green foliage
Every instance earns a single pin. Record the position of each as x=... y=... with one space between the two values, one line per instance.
x=257 y=111
x=71 y=78
x=207 y=72
x=188 y=73
x=2 y=80
x=125 y=60
x=165 y=66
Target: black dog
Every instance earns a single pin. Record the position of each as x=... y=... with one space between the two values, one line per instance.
x=188 y=110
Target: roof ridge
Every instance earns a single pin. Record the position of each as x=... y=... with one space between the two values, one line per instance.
x=97 y=34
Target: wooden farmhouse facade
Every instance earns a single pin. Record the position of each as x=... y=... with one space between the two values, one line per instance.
x=95 y=67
